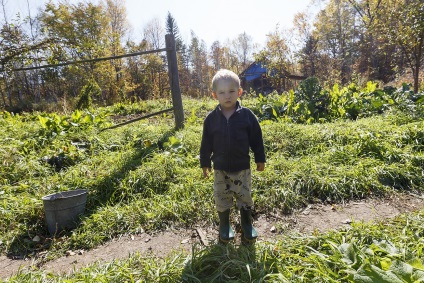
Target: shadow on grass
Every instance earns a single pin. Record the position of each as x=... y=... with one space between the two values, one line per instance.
x=106 y=191
x=223 y=263
x=103 y=192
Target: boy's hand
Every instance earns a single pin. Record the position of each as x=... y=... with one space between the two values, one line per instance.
x=260 y=166
x=206 y=171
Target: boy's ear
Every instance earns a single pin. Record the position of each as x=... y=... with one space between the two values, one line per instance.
x=214 y=95
x=240 y=92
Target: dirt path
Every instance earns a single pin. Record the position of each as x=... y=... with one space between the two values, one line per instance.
x=313 y=218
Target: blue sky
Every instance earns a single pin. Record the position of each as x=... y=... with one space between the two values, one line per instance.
x=210 y=20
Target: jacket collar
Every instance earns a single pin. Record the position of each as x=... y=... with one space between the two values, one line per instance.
x=238 y=107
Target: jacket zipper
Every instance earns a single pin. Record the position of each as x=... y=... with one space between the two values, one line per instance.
x=228 y=143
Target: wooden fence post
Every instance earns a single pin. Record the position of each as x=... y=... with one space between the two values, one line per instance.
x=171 y=54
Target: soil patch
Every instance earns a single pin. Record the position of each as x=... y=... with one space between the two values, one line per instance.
x=314 y=218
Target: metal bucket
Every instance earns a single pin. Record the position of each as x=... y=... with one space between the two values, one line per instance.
x=63 y=209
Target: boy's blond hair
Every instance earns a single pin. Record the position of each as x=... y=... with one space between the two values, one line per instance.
x=224 y=74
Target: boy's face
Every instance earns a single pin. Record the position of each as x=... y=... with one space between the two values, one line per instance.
x=227 y=93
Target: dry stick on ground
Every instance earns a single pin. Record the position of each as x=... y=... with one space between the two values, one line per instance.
x=137 y=119
x=202 y=236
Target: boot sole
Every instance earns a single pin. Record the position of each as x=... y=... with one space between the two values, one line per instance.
x=225 y=241
x=246 y=241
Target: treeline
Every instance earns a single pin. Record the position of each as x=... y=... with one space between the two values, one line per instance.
x=348 y=41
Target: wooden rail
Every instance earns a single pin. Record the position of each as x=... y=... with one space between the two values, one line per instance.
x=91 y=60
x=137 y=119
x=171 y=54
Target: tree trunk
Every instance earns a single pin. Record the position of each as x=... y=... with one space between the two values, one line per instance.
x=418 y=61
x=416 y=74
x=8 y=91
x=3 y=96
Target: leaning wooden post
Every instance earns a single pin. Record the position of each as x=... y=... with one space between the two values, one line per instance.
x=171 y=54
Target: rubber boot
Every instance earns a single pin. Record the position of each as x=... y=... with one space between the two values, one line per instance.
x=249 y=233
x=226 y=233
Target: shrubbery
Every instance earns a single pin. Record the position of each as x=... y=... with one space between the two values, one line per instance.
x=312 y=103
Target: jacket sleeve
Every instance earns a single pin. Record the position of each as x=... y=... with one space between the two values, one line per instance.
x=256 y=140
x=205 y=147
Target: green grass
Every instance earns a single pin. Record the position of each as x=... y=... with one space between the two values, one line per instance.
x=145 y=176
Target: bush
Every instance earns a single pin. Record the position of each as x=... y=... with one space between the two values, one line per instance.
x=87 y=93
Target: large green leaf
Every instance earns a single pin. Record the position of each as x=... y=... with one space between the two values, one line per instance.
x=350 y=254
x=372 y=274
x=402 y=270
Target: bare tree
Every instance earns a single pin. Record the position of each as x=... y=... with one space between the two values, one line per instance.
x=243 y=46
x=154 y=33
x=3 y=6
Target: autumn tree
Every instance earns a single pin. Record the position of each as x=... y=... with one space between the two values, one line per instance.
x=14 y=47
x=216 y=55
x=308 y=54
x=20 y=46
x=405 y=28
x=200 y=82
x=118 y=29
x=377 y=56
x=277 y=57
x=79 y=32
x=138 y=84
x=336 y=34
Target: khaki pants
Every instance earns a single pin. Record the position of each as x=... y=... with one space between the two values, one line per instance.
x=230 y=185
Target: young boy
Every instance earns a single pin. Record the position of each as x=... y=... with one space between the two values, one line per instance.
x=229 y=132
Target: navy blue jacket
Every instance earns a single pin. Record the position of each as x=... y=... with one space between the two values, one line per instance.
x=227 y=143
